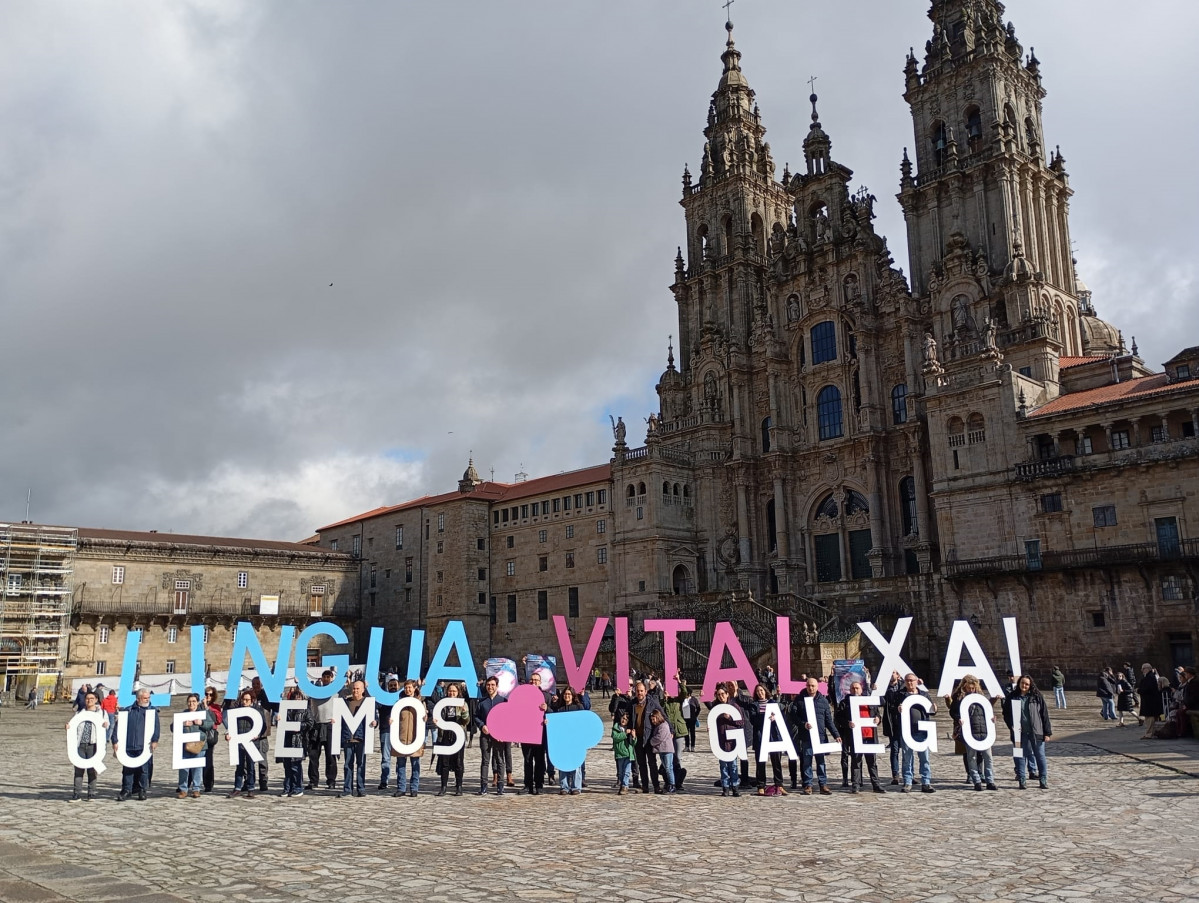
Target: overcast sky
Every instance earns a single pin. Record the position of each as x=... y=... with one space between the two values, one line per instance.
x=264 y=265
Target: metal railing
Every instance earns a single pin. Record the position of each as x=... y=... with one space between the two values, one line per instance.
x=1100 y=556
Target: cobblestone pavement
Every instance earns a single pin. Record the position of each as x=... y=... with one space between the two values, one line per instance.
x=1117 y=824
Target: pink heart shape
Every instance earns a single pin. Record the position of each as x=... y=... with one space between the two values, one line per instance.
x=519 y=719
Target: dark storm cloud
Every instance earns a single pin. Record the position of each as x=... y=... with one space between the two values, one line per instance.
x=492 y=191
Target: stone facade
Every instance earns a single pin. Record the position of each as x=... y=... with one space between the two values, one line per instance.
x=162 y=584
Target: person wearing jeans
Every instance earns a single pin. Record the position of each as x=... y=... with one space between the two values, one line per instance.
x=1059 y=687
x=407 y=732
x=727 y=727
x=911 y=686
x=353 y=745
x=1035 y=729
x=824 y=726
x=192 y=779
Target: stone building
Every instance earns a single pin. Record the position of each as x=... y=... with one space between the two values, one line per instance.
x=163 y=583
x=834 y=442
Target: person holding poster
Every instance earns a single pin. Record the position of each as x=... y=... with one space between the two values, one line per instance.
x=822 y=727
x=846 y=708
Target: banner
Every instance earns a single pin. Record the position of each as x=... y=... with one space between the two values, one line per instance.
x=544 y=665
x=504 y=671
x=845 y=672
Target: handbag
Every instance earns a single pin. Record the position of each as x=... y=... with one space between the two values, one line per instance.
x=195 y=747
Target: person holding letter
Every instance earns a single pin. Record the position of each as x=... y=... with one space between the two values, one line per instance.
x=811 y=709
x=866 y=713
x=910 y=722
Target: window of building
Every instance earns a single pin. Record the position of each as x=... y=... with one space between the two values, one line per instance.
x=332 y=545
x=570 y=559
x=974 y=129
x=601 y=526
x=316 y=599
x=370 y=542
x=566 y=503
x=545 y=508
x=543 y=563
x=102 y=634
x=207 y=634
x=899 y=404
x=572 y=601
x=243 y=579
x=859 y=563
x=570 y=531
x=1188 y=429
x=940 y=142
x=1051 y=503
x=1085 y=447
x=441 y=523
x=482 y=573
x=524 y=511
x=824 y=342
x=765 y=435
x=1172 y=588
x=578 y=501
x=407 y=570
x=976 y=429
x=182 y=594
x=399 y=536
x=504 y=514
x=407 y=596
x=373 y=596
x=1025 y=371
x=512 y=609
x=482 y=598
x=101 y=668
x=1098 y=619
x=828 y=557
x=172 y=634
x=356 y=546
x=907 y=506
x=510 y=568
x=543 y=605
x=557 y=505
x=439 y=576
x=374 y=575
x=491 y=612
x=601 y=496
x=1120 y=439
x=511 y=542
x=828 y=410
x=1105 y=515
x=481 y=544
x=1158 y=434
x=440 y=546
x=118 y=575
x=542 y=535
x=590 y=499
x=170 y=666
x=1182 y=371
x=640 y=513
x=601 y=555
x=1032 y=554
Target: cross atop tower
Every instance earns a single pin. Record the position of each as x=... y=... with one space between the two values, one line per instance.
x=812 y=83
x=728 y=16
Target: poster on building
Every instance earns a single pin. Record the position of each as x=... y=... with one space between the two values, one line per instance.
x=504 y=671
x=543 y=665
x=268 y=605
x=845 y=672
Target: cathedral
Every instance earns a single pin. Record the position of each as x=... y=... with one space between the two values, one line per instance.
x=838 y=442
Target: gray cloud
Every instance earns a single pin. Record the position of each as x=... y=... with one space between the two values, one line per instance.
x=492 y=190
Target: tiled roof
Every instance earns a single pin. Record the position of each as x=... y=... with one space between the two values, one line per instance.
x=1065 y=363
x=492 y=492
x=1116 y=393
x=182 y=539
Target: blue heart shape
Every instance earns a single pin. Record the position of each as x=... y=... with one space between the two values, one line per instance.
x=569 y=735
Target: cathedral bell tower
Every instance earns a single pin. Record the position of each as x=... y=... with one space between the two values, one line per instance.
x=986 y=209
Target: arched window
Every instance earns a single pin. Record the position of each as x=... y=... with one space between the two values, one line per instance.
x=681 y=581
x=855 y=502
x=705 y=246
x=824 y=342
x=976 y=429
x=940 y=139
x=759 y=232
x=630 y=492
x=828 y=412
x=1009 y=123
x=907 y=506
x=766 y=435
x=676 y=489
x=686 y=491
x=899 y=404
x=666 y=489
x=641 y=489
x=956 y=429
x=828 y=507
x=974 y=129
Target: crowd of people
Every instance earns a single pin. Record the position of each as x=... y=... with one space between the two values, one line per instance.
x=651 y=731
x=1157 y=702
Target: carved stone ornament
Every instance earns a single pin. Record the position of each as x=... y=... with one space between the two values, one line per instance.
x=307 y=583
x=168 y=579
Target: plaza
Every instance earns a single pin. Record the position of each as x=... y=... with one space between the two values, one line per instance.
x=1116 y=824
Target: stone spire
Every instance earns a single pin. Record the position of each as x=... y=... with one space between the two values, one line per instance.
x=470 y=477
x=734 y=132
x=817 y=147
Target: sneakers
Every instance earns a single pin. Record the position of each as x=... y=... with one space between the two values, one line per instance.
x=927 y=788
x=991 y=785
x=74 y=797
x=906 y=788
x=299 y=792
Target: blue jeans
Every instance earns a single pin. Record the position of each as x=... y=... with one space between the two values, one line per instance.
x=1034 y=750
x=243 y=775
x=668 y=768
x=1059 y=697
x=806 y=755
x=909 y=761
x=402 y=775
x=1107 y=709
x=568 y=780
x=354 y=769
x=980 y=766
x=895 y=748
x=137 y=778
x=293 y=775
x=191 y=779
x=730 y=774
x=385 y=755
x=623 y=768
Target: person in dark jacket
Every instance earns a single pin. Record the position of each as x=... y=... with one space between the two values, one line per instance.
x=1152 y=706
x=243 y=775
x=293 y=768
x=1035 y=729
x=761 y=727
x=911 y=686
x=534 y=754
x=869 y=734
x=824 y=725
x=641 y=730
x=383 y=714
x=136 y=779
x=1105 y=690
x=353 y=745
x=492 y=750
x=979 y=764
x=890 y=715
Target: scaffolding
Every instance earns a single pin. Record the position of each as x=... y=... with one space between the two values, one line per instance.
x=36 y=563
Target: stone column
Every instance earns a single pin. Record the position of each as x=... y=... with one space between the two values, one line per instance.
x=742 y=523
x=1165 y=428
x=1195 y=420
x=923 y=526
x=780 y=519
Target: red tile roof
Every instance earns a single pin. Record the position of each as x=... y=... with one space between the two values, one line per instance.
x=1116 y=393
x=492 y=492
x=1065 y=363
x=183 y=539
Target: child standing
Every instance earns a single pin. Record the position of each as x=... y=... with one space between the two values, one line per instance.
x=661 y=741
x=622 y=748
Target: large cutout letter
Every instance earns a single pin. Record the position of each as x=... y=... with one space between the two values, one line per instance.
x=418 y=739
x=245 y=640
x=988 y=740
x=782 y=632
x=738 y=750
x=198 y=664
x=576 y=675
x=240 y=738
x=338 y=664
x=341 y=715
x=832 y=746
x=671 y=628
x=892 y=651
x=125 y=695
x=929 y=742
x=416 y=651
x=287 y=725
x=453 y=640
x=773 y=718
x=622 y=655
x=1013 y=645
x=96 y=759
x=1017 y=740
x=122 y=734
x=374 y=654
x=962 y=637
x=723 y=638
x=180 y=735
x=447 y=727
x=860 y=746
